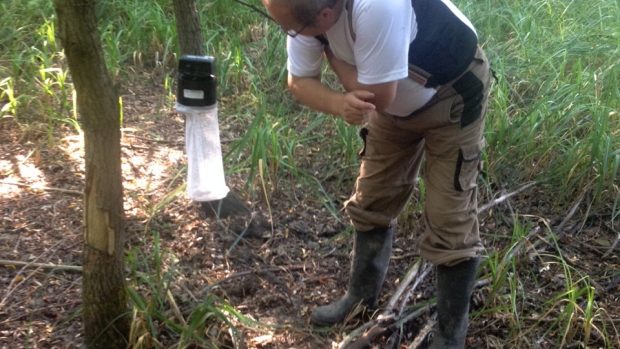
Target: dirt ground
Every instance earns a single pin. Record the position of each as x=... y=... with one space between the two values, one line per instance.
x=286 y=264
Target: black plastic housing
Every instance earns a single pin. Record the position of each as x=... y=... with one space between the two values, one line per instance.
x=196 y=81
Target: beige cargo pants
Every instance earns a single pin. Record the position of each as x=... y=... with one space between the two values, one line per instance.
x=448 y=133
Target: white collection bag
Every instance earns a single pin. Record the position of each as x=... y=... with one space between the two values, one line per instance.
x=205 y=168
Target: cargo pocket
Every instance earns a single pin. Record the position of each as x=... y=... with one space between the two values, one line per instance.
x=468 y=165
x=363 y=134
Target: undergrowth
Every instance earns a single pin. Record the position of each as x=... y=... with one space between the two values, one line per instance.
x=553 y=117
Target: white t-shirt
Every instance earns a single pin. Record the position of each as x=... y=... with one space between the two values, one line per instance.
x=383 y=29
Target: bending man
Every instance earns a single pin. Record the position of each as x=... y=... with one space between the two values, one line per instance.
x=417 y=80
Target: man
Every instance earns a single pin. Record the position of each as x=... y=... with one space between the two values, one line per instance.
x=418 y=82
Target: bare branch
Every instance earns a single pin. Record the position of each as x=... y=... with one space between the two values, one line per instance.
x=63 y=267
x=505 y=197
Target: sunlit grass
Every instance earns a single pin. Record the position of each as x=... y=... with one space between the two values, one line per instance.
x=543 y=295
x=554 y=113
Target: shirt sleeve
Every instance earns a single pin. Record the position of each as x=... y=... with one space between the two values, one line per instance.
x=383 y=35
x=305 y=56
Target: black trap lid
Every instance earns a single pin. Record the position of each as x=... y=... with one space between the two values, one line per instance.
x=196 y=65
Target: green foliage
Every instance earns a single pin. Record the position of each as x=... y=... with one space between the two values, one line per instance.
x=570 y=314
x=554 y=113
x=157 y=315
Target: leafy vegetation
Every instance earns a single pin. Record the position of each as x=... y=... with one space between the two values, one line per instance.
x=554 y=118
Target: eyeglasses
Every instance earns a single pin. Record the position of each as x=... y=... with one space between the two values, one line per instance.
x=292 y=32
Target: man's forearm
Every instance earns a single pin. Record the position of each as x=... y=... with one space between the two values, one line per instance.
x=312 y=93
x=347 y=74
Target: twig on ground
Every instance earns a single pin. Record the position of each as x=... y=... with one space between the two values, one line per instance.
x=409 y=276
x=570 y=213
x=391 y=318
x=63 y=267
x=191 y=295
x=417 y=341
x=363 y=336
x=35 y=187
x=426 y=268
x=614 y=244
x=175 y=308
x=612 y=284
x=504 y=197
x=558 y=231
x=254 y=271
x=153 y=140
x=14 y=284
x=359 y=338
x=516 y=249
x=613 y=247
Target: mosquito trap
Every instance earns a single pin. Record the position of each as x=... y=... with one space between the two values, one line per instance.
x=196 y=100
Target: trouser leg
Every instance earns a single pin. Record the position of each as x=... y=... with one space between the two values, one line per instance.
x=451 y=240
x=387 y=174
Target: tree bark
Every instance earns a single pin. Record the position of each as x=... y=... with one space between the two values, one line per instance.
x=189 y=34
x=105 y=313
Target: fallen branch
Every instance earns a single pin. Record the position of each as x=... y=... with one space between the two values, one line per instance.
x=15 y=284
x=387 y=322
x=425 y=270
x=613 y=247
x=417 y=341
x=570 y=213
x=558 y=230
x=365 y=338
x=392 y=317
x=63 y=267
x=249 y=272
x=31 y=186
x=409 y=276
x=505 y=197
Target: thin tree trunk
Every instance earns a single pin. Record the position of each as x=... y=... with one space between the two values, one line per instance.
x=188 y=27
x=105 y=312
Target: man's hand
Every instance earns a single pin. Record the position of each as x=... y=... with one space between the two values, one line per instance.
x=355 y=109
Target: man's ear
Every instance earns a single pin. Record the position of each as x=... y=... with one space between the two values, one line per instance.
x=326 y=17
x=327 y=13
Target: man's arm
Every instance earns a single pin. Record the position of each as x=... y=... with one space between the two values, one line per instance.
x=352 y=106
x=384 y=93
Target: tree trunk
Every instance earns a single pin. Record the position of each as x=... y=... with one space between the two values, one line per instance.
x=188 y=27
x=105 y=312
x=189 y=34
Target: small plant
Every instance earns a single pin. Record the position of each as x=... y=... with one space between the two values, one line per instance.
x=211 y=323
x=7 y=91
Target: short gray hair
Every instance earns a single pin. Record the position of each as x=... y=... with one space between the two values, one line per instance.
x=305 y=11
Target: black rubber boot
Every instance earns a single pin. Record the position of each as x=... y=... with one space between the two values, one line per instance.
x=371 y=257
x=454 y=288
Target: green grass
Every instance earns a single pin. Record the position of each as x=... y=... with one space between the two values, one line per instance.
x=542 y=295
x=554 y=117
x=212 y=323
